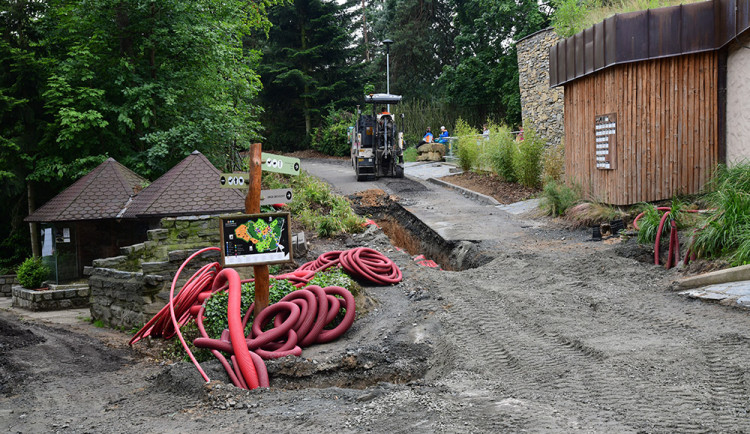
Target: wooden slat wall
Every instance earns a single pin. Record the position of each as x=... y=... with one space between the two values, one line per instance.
x=667 y=138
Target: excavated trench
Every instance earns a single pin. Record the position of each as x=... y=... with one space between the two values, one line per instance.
x=408 y=232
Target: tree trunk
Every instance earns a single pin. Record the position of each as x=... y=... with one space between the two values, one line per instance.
x=33 y=226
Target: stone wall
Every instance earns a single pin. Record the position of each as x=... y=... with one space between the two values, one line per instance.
x=6 y=284
x=542 y=108
x=58 y=297
x=128 y=290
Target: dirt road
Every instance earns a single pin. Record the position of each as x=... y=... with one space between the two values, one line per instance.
x=556 y=334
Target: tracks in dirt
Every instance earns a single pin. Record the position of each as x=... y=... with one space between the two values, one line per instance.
x=642 y=361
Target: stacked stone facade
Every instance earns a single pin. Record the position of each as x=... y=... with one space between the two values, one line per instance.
x=128 y=290
x=6 y=284
x=57 y=297
x=542 y=108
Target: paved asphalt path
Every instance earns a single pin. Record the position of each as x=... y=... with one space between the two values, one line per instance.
x=449 y=213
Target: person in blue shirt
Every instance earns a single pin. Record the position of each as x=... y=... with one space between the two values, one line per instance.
x=443 y=138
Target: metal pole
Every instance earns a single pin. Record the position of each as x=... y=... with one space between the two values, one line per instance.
x=388 y=72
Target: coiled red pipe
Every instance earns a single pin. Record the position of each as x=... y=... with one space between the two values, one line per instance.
x=299 y=318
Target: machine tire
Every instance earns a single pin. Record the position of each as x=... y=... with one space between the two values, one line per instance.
x=399 y=171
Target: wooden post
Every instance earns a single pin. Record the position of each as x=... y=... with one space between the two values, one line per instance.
x=252 y=206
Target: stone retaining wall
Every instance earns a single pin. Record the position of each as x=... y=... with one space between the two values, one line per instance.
x=542 y=108
x=58 y=297
x=6 y=284
x=130 y=289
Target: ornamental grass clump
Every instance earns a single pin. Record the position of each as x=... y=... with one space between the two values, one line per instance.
x=468 y=148
x=727 y=226
x=528 y=160
x=501 y=150
x=557 y=198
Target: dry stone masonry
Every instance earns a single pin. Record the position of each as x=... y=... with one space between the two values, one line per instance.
x=128 y=290
x=6 y=284
x=541 y=107
x=57 y=297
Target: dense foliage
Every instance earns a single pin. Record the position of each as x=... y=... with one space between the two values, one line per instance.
x=309 y=68
x=725 y=230
x=144 y=82
x=32 y=273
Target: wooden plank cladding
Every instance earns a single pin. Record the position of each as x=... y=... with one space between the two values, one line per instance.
x=666 y=133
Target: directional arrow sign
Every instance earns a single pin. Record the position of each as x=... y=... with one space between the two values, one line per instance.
x=272 y=197
x=234 y=180
x=279 y=164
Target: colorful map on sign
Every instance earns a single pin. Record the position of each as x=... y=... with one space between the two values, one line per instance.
x=265 y=237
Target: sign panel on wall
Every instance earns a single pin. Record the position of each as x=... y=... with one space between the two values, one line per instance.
x=605 y=133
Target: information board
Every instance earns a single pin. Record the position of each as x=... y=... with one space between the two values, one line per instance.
x=605 y=133
x=255 y=239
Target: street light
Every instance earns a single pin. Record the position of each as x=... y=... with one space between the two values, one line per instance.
x=388 y=43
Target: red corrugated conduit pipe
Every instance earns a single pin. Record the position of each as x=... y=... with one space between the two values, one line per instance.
x=673 y=255
x=298 y=319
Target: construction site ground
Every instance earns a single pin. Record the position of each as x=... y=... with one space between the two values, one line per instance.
x=539 y=330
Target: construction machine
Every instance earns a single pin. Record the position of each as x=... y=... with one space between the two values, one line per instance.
x=377 y=140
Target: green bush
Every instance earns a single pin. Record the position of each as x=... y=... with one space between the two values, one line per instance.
x=558 y=198
x=527 y=162
x=501 y=151
x=32 y=273
x=331 y=138
x=468 y=150
x=335 y=276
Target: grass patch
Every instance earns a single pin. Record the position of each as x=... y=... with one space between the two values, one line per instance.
x=410 y=155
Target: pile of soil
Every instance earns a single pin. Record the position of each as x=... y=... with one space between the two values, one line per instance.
x=492 y=185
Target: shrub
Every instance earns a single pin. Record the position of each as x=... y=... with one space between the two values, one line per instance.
x=501 y=151
x=468 y=150
x=557 y=198
x=527 y=161
x=32 y=273
x=335 y=276
x=331 y=138
x=553 y=162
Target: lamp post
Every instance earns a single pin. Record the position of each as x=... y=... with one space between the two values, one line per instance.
x=388 y=43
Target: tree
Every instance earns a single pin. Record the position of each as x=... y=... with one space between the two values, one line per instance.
x=485 y=76
x=422 y=37
x=308 y=67
x=143 y=81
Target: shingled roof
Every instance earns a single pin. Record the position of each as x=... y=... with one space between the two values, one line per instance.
x=101 y=194
x=190 y=188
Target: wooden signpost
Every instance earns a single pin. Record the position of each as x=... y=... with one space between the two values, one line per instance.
x=272 y=163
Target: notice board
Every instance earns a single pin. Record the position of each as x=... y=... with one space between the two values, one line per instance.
x=255 y=239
